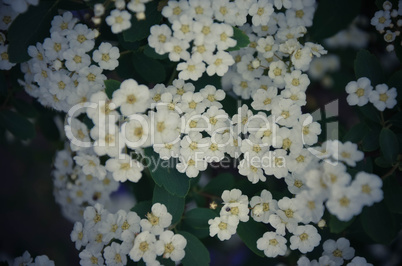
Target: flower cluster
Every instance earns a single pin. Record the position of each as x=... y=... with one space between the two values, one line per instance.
x=388 y=22
x=331 y=182
x=26 y=259
x=61 y=73
x=206 y=26
x=119 y=18
x=322 y=67
x=75 y=187
x=361 y=92
x=9 y=10
x=353 y=36
x=336 y=253
x=107 y=238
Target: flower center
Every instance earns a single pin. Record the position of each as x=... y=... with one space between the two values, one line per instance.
x=222 y=225
x=131 y=99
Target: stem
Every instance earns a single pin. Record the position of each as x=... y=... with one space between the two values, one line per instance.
x=390 y=172
x=382 y=119
x=172 y=77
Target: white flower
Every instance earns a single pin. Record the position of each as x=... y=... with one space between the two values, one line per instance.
x=301 y=58
x=267 y=46
x=338 y=250
x=119 y=20
x=144 y=247
x=192 y=69
x=382 y=97
x=90 y=165
x=252 y=168
x=111 y=226
x=192 y=164
x=263 y=206
x=63 y=24
x=237 y=210
x=183 y=28
x=76 y=59
x=43 y=260
x=55 y=46
x=359 y=261
x=309 y=207
x=91 y=256
x=344 y=203
x=218 y=63
x=159 y=37
x=381 y=20
x=7 y=15
x=359 y=91
x=177 y=49
x=165 y=128
x=261 y=12
x=81 y=37
x=173 y=10
x=106 y=56
x=296 y=183
x=348 y=153
x=272 y=244
x=212 y=96
x=79 y=236
x=5 y=63
x=275 y=163
x=224 y=227
x=114 y=255
x=131 y=97
x=309 y=129
x=277 y=71
x=125 y=168
x=108 y=140
x=369 y=186
x=157 y=220
x=224 y=33
x=136 y=132
x=234 y=195
x=171 y=246
x=263 y=99
x=94 y=215
x=131 y=224
x=305 y=238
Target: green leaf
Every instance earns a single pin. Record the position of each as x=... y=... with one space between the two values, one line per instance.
x=250 y=232
x=28 y=29
x=388 y=141
x=327 y=19
x=398 y=48
x=371 y=139
x=196 y=253
x=336 y=226
x=242 y=39
x=220 y=183
x=367 y=65
x=381 y=162
x=165 y=174
x=142 y=208
x=196 y=221
x=396 y=81
x=18 y=125
x=150 y=52
x=370 y=112
x=396 y=120
x=3 y=84
x=356 y=133
x=125 y=68
x=24 y=108
x=378 y=223
x=71 y=5
x=174 y=204
x=149 y=69
x=111 y=86
x=48 y=127
x=140 y=28
x=393 y=194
